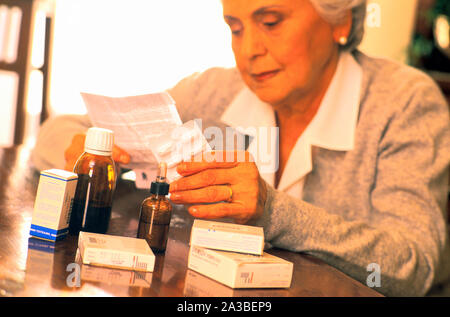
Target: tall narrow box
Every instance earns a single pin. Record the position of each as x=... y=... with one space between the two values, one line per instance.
x=227 y=236
x=53 y=204
x=238 y=270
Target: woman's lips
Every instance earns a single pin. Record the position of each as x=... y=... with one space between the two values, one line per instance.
x=263 y=76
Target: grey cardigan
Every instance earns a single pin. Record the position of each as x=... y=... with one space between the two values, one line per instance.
x=383 y=202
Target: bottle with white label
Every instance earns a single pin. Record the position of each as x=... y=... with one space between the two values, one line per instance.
x=96 y=171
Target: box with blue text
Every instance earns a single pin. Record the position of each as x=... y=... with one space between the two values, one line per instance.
x=53 y=204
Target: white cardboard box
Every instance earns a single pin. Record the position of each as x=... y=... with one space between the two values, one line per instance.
x=53 y=204
x=238 y=270
x=116 y=252
x=227 y=236
x=91 y=273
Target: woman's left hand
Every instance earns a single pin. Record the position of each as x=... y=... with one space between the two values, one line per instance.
x=234 y=186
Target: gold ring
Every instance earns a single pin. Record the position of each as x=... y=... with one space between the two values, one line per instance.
x=230 y=197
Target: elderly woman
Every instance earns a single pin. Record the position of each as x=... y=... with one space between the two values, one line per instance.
x=364 y=144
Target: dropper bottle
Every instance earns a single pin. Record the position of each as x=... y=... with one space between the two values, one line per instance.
x=155 y=214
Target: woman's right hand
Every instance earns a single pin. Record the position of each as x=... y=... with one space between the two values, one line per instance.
x=76 y=148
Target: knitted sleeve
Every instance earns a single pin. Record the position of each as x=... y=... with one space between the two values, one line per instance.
x=406 y=233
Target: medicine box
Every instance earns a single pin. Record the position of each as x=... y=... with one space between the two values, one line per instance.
x=116 y=252
x=227 y=236
x=53 y=204
x=238 y=270
x=91 y=273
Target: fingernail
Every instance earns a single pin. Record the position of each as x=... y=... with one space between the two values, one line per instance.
x=193 y=210
x=175 y=196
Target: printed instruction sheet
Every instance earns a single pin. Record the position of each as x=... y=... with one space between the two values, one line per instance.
x=137 y=122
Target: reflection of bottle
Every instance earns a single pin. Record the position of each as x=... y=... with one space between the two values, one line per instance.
x=156 y=211
x=91 y=209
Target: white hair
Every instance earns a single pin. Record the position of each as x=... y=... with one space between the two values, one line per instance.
x=334 y=11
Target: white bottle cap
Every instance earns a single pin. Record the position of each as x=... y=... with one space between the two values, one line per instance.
x=99 y=141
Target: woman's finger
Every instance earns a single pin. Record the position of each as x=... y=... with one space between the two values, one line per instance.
x=213 y=159
x=220 y=210
x=69 y=166
x=189 y=168
x=210 y=194
x=75 y=149
x=208 y=177
x=119 y=155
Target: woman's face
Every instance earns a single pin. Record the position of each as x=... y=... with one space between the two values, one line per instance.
x=281 y=47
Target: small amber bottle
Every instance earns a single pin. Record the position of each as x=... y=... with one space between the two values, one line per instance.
x=91 y=210
x=156 y=211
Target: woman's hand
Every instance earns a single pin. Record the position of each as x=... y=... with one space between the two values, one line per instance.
x=76 y=148
x=235 y=187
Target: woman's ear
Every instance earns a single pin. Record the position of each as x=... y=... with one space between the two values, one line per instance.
x=341 y=30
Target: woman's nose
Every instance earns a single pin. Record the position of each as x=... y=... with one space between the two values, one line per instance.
x=252 y=44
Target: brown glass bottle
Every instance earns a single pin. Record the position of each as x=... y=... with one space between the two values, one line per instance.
x=155 y=214
x=91 y=210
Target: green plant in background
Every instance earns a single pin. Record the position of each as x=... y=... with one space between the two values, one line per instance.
x=441 y=7
x=422 y=45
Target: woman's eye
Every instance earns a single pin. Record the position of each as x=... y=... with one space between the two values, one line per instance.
x=271 y=20
x=270 y=23
x=235 y=28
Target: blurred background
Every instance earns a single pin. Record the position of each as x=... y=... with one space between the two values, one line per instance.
x=51 y=50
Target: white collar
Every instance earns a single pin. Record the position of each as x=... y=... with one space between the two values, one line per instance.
x=333 y=126
x=248 y=111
